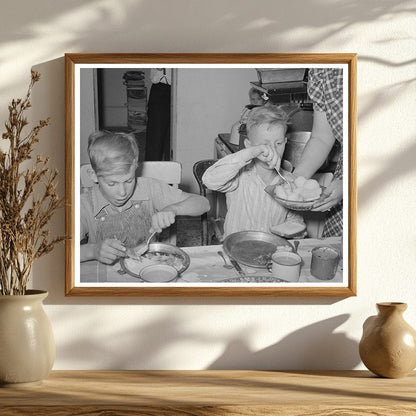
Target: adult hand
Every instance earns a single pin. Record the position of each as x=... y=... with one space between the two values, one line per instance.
x=330 y=197
x=109 y=250
x=161 y=220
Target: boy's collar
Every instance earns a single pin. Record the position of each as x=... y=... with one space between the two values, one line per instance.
x=99 y=202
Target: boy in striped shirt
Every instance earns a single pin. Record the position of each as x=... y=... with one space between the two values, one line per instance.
x=244 y=175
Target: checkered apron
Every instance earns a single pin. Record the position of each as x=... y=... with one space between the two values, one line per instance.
x=325 y=88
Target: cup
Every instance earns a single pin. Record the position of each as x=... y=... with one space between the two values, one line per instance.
x=286 y=266
x=324 y=262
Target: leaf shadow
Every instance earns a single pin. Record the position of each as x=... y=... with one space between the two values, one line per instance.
x=313 y=347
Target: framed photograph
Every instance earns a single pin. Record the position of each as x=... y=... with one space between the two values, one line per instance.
x=211 y=174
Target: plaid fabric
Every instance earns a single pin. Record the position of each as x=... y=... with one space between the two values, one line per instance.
x=333 y=222
x=326 y=90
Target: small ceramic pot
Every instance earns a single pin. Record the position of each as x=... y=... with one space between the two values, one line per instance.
x=27 y=347
x=388 y=345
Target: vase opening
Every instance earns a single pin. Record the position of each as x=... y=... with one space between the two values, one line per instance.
x=389 y=307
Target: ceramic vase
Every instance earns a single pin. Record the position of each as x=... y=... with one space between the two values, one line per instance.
x=388 y=345
x=27 y=347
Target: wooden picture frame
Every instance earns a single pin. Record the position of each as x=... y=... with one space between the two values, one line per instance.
x=74 y=63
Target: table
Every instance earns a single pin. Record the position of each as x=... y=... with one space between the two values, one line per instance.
x=207 y=267
x=203 y=393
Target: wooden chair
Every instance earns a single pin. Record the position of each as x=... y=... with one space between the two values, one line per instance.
x=169 y=172
x=315 y=220
x=198 y=169
x=166 y=171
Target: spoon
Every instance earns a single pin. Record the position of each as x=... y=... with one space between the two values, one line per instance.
x=137 y=252
x=226 y=265
x=296 y=244
x=278 y=172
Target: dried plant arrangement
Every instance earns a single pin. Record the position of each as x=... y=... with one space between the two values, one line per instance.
x=28 y=198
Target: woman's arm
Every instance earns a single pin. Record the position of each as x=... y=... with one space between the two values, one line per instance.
x=314 y=155
x=318 y=147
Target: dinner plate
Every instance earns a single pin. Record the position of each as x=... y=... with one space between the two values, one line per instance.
x=253 y=248
x=293 y=205
x=159 y=253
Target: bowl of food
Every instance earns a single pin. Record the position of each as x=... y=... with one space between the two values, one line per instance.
x=253 y=248
x=158 y=254
x=158 y=273
x=299 y=194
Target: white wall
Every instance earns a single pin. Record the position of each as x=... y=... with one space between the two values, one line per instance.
x=209 y=102
x=198 y=333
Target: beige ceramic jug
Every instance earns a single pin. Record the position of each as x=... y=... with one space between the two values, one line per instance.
x=27 y=347
x=388 y=345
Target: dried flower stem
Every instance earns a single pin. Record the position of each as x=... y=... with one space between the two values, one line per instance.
x=23 y=217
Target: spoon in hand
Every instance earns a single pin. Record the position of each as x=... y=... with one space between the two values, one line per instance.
x=278 y=172
x=138 y=251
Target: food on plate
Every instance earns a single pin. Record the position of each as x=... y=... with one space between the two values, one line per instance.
x=152 y=258
x=255 y=252
x=288 y=229
x=300 y=189
x=165 y=258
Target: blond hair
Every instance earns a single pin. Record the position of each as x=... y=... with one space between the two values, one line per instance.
x=112 y=152
x=267 y=115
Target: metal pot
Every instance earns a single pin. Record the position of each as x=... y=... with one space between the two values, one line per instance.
x=296 y=142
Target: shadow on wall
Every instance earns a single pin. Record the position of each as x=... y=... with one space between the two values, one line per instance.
x=145 y=346
x=77 y=26
x=314 y=347
x=228 y=22
x=151 y=345
x=395 y=168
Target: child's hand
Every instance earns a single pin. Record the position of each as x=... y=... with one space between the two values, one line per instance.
x=267 y=154
x=109 y=250
x=161 y=220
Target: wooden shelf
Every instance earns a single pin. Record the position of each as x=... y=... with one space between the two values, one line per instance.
x=202 y=393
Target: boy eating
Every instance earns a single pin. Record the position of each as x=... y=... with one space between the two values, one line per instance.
x=244 y=175
x=120 y=210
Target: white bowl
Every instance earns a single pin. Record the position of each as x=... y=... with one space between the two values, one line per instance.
x=158 y=273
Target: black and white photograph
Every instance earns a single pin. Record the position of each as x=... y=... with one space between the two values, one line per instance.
x=211 y=175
